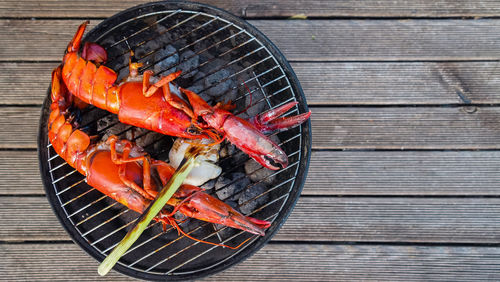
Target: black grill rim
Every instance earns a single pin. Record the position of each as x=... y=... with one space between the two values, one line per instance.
x=298 y=182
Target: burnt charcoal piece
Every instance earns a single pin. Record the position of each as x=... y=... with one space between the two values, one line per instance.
x=252 y=198
x=165 y=59
x=218 y=83
x=189 y=64
x=229 y=186
x=257 y=172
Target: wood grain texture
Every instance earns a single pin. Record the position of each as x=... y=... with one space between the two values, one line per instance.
x=398 y=128
x=379 y=74
x=329 y=40
x=365 y=83
x=20 y=127
x=399 y=83
x=19 y=173
x=335 y=173
x=267 y=8
x=385 y=40
x=25 y=83
x=326 y=219
x=278 y=262
x=403 y=128
x=403 y=173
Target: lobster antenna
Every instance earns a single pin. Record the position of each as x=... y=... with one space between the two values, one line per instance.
x=128 y=45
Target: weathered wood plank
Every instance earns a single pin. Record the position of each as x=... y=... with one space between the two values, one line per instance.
x=385 y=40
x=399 y=83
x=422 y=220
x=403 y=173
x=267 y=8
x=406 y=128
x=24 y=83
x=19 y=173
x=323 y=219
x=372 y=83
x=27 y=216
x=20 y=127
x=329 y=40
x=343 y=127
x=63 y=262
x=51 y=38
x=436 y=173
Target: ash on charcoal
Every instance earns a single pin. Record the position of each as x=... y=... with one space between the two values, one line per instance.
x=198 y=85
x=106 y=122
x=234 y=155
x=164 y=36
x=115 y=130
x=255 y=109
x=257 y=172
x=165 y=59
x=146 y=138
x=227 y=187
x=119 y=61
x=250 y=199
x=190 y=62
x=229 y=96
x=146 y=48
x=259 y=104
x=209 y=185
x=217 y=83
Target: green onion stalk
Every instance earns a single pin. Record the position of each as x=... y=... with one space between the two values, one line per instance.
x=154 y=208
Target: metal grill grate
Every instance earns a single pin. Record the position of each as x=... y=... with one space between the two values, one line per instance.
x=221 y=60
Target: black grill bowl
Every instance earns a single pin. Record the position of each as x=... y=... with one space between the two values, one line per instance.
x=223 y=58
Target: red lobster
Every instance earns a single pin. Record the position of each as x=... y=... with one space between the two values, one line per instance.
x=122 y=171
x=155 y=108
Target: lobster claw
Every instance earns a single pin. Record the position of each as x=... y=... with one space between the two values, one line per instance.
x=239 y=132
x=199 y=205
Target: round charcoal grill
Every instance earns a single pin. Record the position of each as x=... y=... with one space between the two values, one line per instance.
x=222 y=58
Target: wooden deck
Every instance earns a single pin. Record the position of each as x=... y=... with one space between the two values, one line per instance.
x=404 y=182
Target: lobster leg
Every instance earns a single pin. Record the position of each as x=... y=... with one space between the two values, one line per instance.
x=175 y=101
x=148 y=89
x=123 y=160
